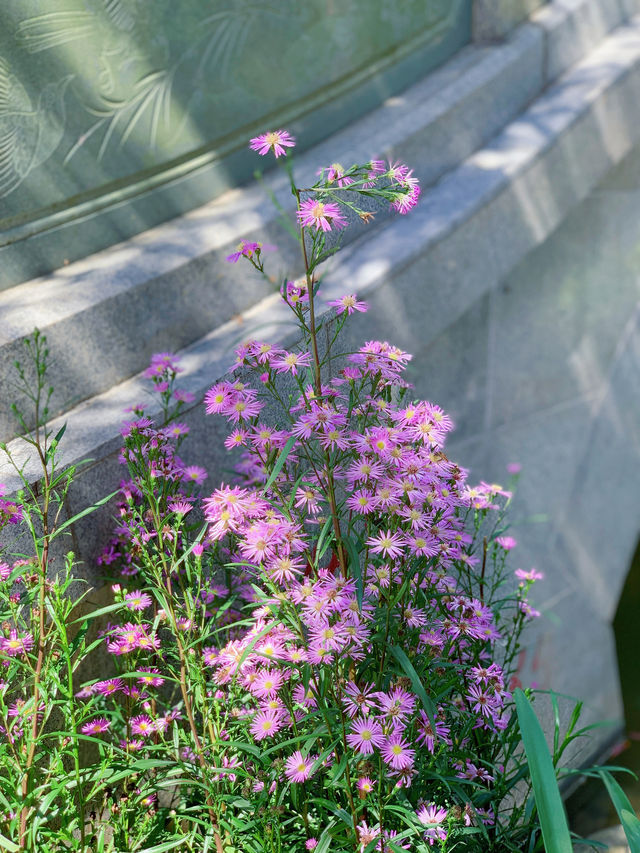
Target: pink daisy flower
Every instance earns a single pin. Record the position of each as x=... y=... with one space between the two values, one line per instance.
x=289 y=362
x=180 y=508
x=194 y=474
x=95 y=727
x=218 y=397
x=358 y=699
x=183 y=396
x=265 y=724
x=151 y=678
x=297 y=768
x=349 y=304
x=244 y=249
x=13 y=645
x=177 y=430
x=398 y=704
x=407 y=200
x=365 y=734
x=397 y=753
x=267 y=684
x=388 y=544
x=274 y=140
x=142 y=725
x=335 y=172
x=432 y=817
x=531 y=575
x=108 y=688
x=137 y=600
x=318 y=214
x=362 y=501
x=365 y=785
x=134 y=745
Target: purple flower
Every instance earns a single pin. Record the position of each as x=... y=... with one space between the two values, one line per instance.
x=96 y=727
x=318 y=214
x=274 y=140
x=137 y=600
x=297 y=768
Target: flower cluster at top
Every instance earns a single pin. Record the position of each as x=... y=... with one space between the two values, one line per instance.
x=393 y=181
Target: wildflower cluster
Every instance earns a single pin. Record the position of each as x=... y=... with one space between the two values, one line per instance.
x=368 y=660
x=318 y=653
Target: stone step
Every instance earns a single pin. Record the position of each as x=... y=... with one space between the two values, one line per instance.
x=418 y=272
x=169 y=286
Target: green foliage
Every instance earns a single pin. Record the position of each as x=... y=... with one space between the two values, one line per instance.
x=553 y=821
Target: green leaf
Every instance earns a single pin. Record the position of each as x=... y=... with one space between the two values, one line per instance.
x=325 y=839
x=553 y=821
x=282 y=458
x=52 y=447
x=400 y=655
x=92 y=614
x=321 y=547
x=344 y=816
x=5 y=844
x=195 y=542
x=629 y=821
x=82 y=514
x=168 y=845
x=631 y=826
x=356 y=570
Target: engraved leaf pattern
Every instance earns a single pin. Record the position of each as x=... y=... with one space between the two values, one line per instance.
x=155 y=81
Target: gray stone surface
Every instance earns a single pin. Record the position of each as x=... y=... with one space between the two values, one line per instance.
x=625 y=176
x=630 y=7
x=573 y=28
x=614 y=839
x=554 y=309
x=456 y=378
x=493 y=19
x=128 y=119
x=603 y=534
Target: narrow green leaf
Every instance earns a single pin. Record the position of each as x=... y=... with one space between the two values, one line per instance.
x=5 y=844
x=282 y=458
x=631 y=826
x=320 y=546
x=400 y=655
x=101 y=841
x=82 y=514
x=356 y=569
x=344 y=816
x=325 y=839
x=52 y=447
x=168 y=845
x=553 y=821
x=630 y=822
x=92 y=614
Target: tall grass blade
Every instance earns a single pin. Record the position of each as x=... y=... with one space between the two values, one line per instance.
x=553 y=821
x=629 y=821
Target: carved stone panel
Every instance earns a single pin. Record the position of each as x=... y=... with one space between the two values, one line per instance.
x=102 y=101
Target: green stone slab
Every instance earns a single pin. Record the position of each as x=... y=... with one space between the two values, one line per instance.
x=116 y=115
